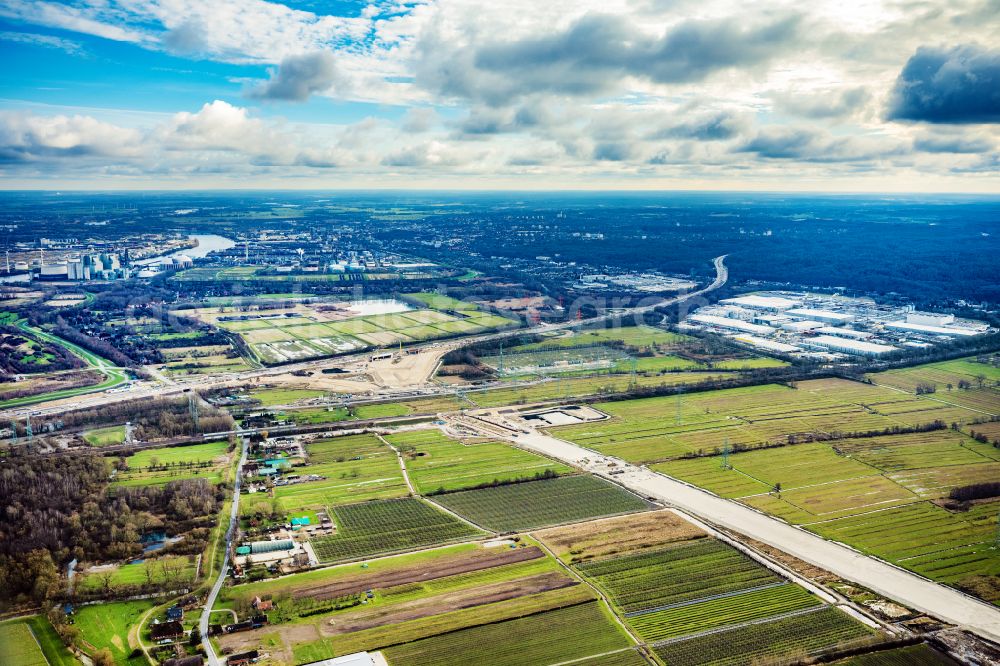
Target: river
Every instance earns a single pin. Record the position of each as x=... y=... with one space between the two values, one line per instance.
x=206 y=243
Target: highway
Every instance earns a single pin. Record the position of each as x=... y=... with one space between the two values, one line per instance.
x=354 y=363
x=213 y=660
x=887 y=580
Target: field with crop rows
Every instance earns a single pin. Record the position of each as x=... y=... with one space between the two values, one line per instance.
x=681 y=573
x=524 y=506
x=726 y=611
x=572 y=387
x=356 y=467
x=437 y=462
x=385 y=526
x=546 y=638
x=811 y=633
x=664 y=428
x=912 y=655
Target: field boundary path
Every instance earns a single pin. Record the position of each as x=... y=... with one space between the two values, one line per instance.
x=888 y=580
x=206 y=642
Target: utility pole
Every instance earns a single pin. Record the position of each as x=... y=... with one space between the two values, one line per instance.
x=500 y=364
x=725 y=455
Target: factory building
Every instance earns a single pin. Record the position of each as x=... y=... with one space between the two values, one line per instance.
x=801 y=326
x=731 y=324
x=845 y=333
x=854 y=347
x=930 y=319
x=933 y=330
x=764 y=343
x=825 y=316
x=766 y=303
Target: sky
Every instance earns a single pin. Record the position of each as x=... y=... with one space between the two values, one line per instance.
x=826 y=95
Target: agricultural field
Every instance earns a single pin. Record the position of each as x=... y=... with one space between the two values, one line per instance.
x=552 y=637
x=659 y=429
x=324 y=327
x=572 y=387
x=208 y=461
x=356 y=468
x=921 y=654
x=33 y=641
x=676 y=575
x=111 y=626
x=18 y=646
x=809 y=633
x=525 y=506
x=379 y=527
x=877 y=492
x=647 y=349
x=619 y=535
x=196 y=359
x=438 y=463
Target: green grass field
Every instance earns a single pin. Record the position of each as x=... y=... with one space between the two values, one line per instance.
x=356 y=467
x=546 y=638
x=436 y=462
x=197 y=461
x=107 y=626
x=173 y=568
x=18 y=646
x=387 y=526
x=105 y=436
x=524 y=506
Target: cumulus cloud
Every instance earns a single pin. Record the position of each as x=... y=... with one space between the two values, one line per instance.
x=300 y=76
x=593 y=55
x=26 y=137
x=715 y=127
x=956 y=85
x=953 y=142
x=824 y=104
x=812 y=145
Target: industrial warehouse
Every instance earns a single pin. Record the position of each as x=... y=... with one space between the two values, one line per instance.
x=827 y=326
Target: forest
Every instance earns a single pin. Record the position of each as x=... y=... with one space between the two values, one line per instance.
x=58 y=508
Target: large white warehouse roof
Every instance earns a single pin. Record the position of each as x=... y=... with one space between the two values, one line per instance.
x=852 y=346
x=762 y=302
x=820 y=315
x=734 y=324
x=764 y=343
x=933 y=330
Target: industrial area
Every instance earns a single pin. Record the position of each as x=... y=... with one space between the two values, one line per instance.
x=827 y=326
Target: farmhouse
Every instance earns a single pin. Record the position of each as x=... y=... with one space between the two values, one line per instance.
x=162 y=630
x=243 y=658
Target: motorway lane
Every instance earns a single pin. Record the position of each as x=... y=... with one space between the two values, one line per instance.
x=356 y=362
x=892 y=582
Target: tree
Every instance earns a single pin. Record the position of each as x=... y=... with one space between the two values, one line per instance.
x=103 y=658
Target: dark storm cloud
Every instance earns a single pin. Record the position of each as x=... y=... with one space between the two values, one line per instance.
x=957 y=85
x=597 y=51
x=298 y=77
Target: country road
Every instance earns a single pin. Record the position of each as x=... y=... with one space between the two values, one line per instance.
x=213 y=660
x=357 y=361
x=892 y=582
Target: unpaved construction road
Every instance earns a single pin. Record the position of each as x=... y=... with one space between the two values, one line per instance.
x=907 y=588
